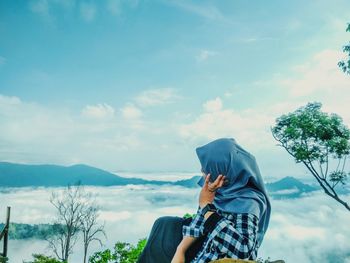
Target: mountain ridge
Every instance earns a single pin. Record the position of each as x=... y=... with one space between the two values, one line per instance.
x=51 y=175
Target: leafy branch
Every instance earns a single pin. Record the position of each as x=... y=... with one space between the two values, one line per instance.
x=318 y=140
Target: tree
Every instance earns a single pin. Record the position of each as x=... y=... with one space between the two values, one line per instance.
x=76 y=212
x=3 y=259
x=39 y=258
x=90 y=227
x=70 y=205
x=123 y=253
x=345 y=65
x=318 y=140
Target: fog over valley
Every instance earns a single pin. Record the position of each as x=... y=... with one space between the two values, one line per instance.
x=310 y=228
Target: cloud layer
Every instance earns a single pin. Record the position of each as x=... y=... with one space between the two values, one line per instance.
x=310 y=229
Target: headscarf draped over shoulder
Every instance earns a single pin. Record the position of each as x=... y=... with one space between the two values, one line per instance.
x=245 y=190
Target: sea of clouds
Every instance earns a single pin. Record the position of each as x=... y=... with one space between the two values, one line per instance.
x=314 y=228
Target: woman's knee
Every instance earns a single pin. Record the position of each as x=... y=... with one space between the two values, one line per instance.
x=165 y=235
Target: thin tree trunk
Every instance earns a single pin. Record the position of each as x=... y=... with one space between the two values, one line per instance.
x=335 y=197
x=85 y=253
x=66 y=253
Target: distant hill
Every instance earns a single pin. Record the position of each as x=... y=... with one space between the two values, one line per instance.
x=20 y=175
x=190 y=183
x=288 y=187
x=24 y=175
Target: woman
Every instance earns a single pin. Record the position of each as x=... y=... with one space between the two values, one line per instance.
x=232 y=217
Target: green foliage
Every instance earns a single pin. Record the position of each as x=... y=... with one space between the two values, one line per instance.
x=123 y=253
x=318 y=140
x=187 y=215
x=139 y=248
x=309 y=134
x=3 y=259
x=25 y=231
x=345 y=65
x=39 y=258
x=338 y=176
x=102 y=257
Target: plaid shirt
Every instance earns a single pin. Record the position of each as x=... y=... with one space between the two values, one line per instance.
x=229 y=235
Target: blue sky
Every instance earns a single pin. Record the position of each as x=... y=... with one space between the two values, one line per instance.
x=137 y=85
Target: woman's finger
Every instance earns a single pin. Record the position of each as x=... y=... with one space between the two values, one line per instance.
x=217 y=181
x=213 y=186
x=221 y=183
x=206 y=183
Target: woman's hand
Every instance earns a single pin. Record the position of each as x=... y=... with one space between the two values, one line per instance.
x=207 y=193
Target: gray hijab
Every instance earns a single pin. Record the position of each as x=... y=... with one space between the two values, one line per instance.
x=245 y=190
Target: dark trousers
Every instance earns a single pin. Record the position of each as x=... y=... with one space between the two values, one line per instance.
x=165 y=236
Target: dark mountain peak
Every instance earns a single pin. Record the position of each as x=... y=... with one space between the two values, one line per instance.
x=19 y=175
x=81 y=165
x=290 y=179
x=191 y=182
x=84 y=166
x=289 y=187
x=289 y=182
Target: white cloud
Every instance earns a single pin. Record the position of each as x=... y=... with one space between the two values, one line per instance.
x=138 y=209
x=131 y=112
x=6 y=100
x=99 y=111
x=319 y=79
x=213 y=105
x=34 y=133
x=26 y=122
x=132 y=116
x=87 y=11
x=115 y=216
x=249 y=126
x=319 y=75
x=155 y=97
x=205 y=54
x=309 y=229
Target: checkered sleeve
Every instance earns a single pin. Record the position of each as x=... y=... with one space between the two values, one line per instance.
x=234 y=239
x=195 y=228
